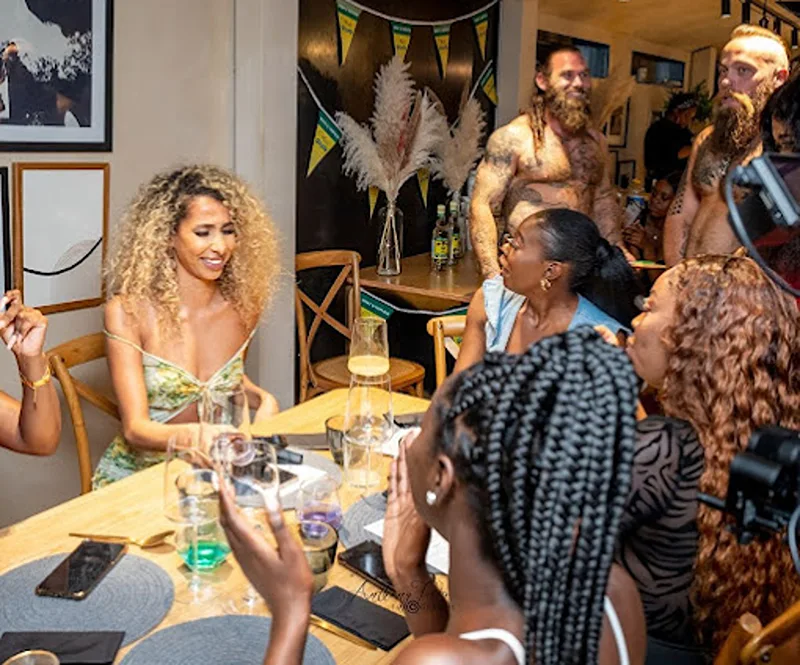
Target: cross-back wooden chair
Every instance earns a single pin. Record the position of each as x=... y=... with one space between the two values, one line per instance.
x=443 y=329
x=777 y=643
x=319 y=377
x=61 y=359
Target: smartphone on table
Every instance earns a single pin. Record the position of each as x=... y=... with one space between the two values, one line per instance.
x=77 y=575
x=366 y=559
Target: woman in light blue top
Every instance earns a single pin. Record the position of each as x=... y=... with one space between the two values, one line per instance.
x=557 y=273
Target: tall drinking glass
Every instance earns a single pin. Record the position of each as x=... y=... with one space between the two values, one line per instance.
x=369 y=424
x=191 y=500
x=224 y=416
x=369 y=347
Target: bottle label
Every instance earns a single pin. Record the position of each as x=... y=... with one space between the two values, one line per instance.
x=456 y=245
x=441 y=249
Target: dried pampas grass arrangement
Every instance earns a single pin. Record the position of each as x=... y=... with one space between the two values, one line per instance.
x=462 y=148
x=609 y=94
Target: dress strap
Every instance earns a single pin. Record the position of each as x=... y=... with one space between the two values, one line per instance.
x=616 y=628
x=111 y=335
x=504 y=636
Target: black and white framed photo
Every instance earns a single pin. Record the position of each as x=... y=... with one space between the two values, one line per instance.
x=616 y=129
x=5 y=231
x=56 y=75
x=626 y=172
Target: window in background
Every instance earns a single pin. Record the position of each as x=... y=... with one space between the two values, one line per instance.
x=658 y=71
x=595 y=54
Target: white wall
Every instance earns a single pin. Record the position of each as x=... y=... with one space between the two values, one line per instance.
x=173 y=102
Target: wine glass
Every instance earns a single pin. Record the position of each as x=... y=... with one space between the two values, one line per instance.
x=369 y=424
x=318 y=501
x=224 y=415
x=369 y=347
x=252 y=469
x=191 y=500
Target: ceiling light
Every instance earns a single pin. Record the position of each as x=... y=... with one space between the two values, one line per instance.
x=726 y=9
x=745 y=12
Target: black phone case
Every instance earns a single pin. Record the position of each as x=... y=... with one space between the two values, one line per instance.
x=41 y=590
x=348 y=560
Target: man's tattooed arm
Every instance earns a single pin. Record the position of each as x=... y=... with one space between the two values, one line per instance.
x=491 y=184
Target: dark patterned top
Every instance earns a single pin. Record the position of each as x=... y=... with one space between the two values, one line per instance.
x=658 y=534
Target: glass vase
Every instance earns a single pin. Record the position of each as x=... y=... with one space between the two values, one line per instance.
x=390 y=239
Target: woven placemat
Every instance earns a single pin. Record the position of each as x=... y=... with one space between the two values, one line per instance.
x=232 y=640
x=365 y=511
x=134 y=597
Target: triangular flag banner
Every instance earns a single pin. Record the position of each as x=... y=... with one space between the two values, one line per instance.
x=373 y=199
x=424 y=178
x=326 y=136
x=401 y=34
x=481 y=22
x=347 y=16
x=372 y=306
x=487 y=84
x=441 y=35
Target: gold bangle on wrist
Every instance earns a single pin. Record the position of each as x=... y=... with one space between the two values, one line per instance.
x=34 y=385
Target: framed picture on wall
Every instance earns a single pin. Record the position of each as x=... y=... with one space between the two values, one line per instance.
x=626 y=172
x=56 y=76
x=613 y=157
x=5 y=232
x=59 y=231
x=616 y=129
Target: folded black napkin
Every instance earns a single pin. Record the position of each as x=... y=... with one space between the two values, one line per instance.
x=75 y=648
x=375 y=624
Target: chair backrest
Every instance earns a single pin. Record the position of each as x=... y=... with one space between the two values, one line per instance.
x=749 y=643
x=441 y=328
x=349 y=261
x=61 y=359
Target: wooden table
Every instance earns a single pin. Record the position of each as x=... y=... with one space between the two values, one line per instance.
x=425 y=288
x=134 y=506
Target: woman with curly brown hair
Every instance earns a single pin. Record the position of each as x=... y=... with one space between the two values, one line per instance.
x=721 y=344
x=192 y=269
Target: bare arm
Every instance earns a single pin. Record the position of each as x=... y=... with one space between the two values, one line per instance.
x=605 y=210
x=125 y=365
x=264 y=402
x=473 y=346
x=492 y=179
x=32 y=427
x=682 y=211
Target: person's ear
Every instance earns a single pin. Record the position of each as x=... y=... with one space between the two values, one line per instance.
x=443 y=480
x=541 y=81
x=782 y=75
x=554 y=270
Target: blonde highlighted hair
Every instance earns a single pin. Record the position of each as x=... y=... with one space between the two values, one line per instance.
x=747 y=30
x=141 y=266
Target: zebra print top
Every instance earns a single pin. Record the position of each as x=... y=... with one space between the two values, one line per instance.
x=658 y=533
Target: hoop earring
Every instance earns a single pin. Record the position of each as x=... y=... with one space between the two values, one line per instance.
x=545 y=283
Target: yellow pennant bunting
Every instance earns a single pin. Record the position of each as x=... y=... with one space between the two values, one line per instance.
x=441 y=35
x=326 y=136
x=424 y=178
x=481 y=23
x=401 y=35
x=487 y=84
x=347 y=16
x=373 y=199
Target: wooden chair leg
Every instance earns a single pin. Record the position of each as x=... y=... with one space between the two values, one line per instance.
x=419 y=389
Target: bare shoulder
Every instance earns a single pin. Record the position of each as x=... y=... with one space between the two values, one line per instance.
x=435 y=649
x=122 y=316
x=511 y=135
x=476 y=314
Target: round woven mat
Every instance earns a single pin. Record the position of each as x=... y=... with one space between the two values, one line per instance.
x=134 y=597
x=366 y=511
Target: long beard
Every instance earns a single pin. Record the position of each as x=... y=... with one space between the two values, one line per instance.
x=572 y=113
x=737 y=127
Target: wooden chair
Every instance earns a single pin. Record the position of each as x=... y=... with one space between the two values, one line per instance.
x=442 y=328
x=61 y=359
x=750 y=643
x=319 y=377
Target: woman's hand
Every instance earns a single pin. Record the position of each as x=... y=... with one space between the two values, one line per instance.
x=634 y=235
x=608 y=336
x=282 y=576
x=22 y=328
x=406 y=536
x=268 y=407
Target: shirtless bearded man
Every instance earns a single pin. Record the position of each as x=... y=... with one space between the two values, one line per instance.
x=752 y=65
x=547 y=157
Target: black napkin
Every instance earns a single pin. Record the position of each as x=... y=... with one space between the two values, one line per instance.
x=76 y=648
x=375 y=624
x=409 y=419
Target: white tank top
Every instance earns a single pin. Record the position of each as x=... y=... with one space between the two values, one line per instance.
x=518 y=650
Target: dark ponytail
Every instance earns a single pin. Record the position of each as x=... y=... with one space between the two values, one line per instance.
x=599 y=270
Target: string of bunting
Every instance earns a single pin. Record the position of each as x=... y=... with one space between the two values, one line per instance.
x=349 y=11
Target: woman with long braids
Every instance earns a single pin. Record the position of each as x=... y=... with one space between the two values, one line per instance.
x=523 y=464
x=721 y=344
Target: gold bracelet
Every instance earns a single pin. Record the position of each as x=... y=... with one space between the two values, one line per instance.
x=34 y=385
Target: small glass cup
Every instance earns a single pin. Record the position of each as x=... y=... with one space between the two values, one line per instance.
x=35 y=657
x=334 y=434
x=319 y=541
x=318 y=501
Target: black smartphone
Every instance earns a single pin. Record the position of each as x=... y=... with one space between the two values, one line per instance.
x=80 y=572
x=366 y=559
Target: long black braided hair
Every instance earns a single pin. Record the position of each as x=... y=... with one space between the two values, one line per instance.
x=544 y=444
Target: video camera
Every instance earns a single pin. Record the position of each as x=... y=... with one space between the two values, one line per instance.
x=764 y=481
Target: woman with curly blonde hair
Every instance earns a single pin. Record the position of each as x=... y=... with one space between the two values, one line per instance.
x=721 y=344
x=191 y=271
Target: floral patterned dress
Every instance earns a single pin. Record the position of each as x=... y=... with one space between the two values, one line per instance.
x=170 y=390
